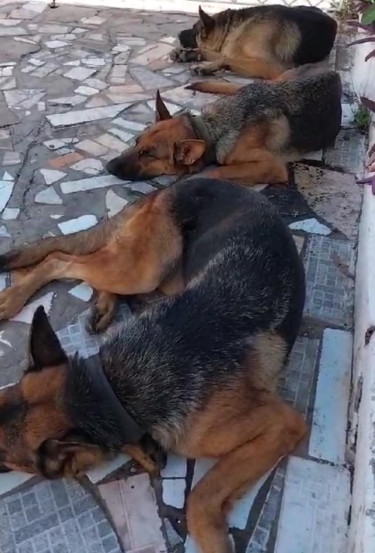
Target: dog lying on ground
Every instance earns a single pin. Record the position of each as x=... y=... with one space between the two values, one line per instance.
x=252 y=135
x=259 y=42
x=196 y=372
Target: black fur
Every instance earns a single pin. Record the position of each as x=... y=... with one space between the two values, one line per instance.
x=244 y=277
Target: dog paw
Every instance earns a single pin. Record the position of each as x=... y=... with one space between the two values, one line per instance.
x=200 y=70
x=154 y=451
x=98 y=321
x=11 y=303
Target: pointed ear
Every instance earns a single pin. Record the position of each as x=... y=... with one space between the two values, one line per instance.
x=208 y=22
x=187 y=152
x=44 y=346
x=68 y=457
x=161 y=109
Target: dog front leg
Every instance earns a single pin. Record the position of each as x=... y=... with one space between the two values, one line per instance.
x=186 y=55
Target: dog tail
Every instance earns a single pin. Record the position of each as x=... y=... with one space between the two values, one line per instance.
x=215 y=87
x=79 y=243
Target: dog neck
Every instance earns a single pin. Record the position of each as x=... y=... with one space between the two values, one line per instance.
x=202 y=132
x=95 y=407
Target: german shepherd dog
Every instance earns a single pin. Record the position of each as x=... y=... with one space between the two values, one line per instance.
x=196 y=372
x=251 y=135
x=259 y=42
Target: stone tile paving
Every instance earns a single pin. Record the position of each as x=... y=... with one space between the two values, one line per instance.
x=77 y=84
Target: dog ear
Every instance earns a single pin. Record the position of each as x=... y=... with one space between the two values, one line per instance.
x=187 y=152
x=68 y=457
x=161 y=109
x=44 y=346
x=208 y=22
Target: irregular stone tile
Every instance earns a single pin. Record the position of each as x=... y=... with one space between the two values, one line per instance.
x=48 y=196
x=6 y=189
x=85 y=116
x=11 y=158
x=315 y=507
x=131 y=125
x=188 y=98
x=68 y=100
x=141 y=187
x=96 y=83
x=121 y=58
x=89 y=166
x=174 y=492
x=95 y=20
x=329 y=426
x=80 y=223
x=79 y=73
x=26 y=98
x=10 y=213
x=97 y=474
x=27 y=313
x=118 y=72
x=239 y=514
x=82 y=291
x=92 y=148
x=53 y=29
x=50 y=175
x=124 y=136
x=12 y=31
x=7 y=117
x=314 y=156
x=94 y=62
x=176 y=467
x=53 y=44
x=114 y=203
x=299 y=241
x=133 y=509
x=334 y=196
x=97 y=102
x=7 y=84
x=348 y=118
x=86 y=90
x=7 y=176
x=118 y=97
x=111 y=143
x=66 y=160
x=4 y=232
x=47 y=69
x=313 y=226
x=89 y=184
x=148 y=79
x=54 y=144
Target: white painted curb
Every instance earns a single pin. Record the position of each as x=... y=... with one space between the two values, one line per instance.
x=362 y=528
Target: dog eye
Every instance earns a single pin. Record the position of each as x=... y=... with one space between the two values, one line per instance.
x=146 y=153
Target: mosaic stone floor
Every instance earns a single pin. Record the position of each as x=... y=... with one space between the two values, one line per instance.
x=76 y=86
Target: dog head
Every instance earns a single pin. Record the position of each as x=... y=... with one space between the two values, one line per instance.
x=200 y=33
x=37 y=434
x=169 y=147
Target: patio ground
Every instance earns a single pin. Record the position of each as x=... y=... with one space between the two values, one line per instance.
x=76 y=85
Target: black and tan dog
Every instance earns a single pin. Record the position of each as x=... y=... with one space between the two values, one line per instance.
x=251 y=135
x=261 y=42
x=196 y=372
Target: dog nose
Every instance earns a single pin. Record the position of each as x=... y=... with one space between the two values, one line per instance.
x=112 y=167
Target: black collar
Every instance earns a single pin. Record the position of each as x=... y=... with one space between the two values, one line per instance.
x=130 y=430
x=202 y=132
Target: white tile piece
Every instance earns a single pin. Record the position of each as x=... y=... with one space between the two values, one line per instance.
x=131 y=125
x=12 y=31
x=11 y=480
x=51 y=175
x=92 y=148
x=84 y=116
x=96 y=83
x=68 y=100
x=89 y=184
x=86 y=90
x=4 y=232
x=174 y=492
x=328 y=432
x=55 y=44
x=94 y=20
x=53 y=29
x=176 y=467
x=312 y=226
x=191 y=546
x=10 y=213
x=134 y=511
x=79 y=73
x=82 y=291
x=201 y=467
x=11 y=158
x=54 y=144
x=348 y=117
x=48 y=196
x=314 y=510
x=114 y=203
x=89 y=166
x=80 y=223
x=94 y=62
x=7 y=176
x=27 y=313
x=3 y=285
x=98 y=473
x=123 y=135
x=74 y=63
x=6 y=189
x=111 y=143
